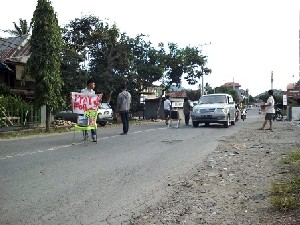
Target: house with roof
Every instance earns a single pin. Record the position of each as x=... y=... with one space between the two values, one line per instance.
x=292 y=92
x=14 y=53
x=236 y=86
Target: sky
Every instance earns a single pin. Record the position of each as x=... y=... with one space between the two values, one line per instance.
x=244 y=40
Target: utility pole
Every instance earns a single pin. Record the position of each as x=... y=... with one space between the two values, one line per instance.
x=271 y=80
x=202 y=83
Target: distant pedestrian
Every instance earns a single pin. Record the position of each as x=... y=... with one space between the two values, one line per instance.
x=269 y=109
x=123 y=108
x=167 y=109
x=89 y=90
x=186 y=110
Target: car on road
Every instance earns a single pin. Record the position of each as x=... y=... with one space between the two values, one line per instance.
x=105 y=115
x=214 y=108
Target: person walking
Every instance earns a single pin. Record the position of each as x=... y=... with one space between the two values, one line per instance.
x=167 y=109
x=186 y=110
x=123 y=107
x=269 y=109
x=89 y=90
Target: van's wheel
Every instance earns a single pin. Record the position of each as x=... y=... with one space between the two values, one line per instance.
x=195 y=123
x=206 y=124
x=226 y=124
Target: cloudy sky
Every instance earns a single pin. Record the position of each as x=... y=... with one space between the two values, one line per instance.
x=248 y=38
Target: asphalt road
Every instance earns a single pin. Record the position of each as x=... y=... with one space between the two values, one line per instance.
x=51 y=180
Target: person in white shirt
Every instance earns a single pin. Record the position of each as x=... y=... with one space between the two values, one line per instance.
x=90 y=85
x=167 y=109
x=270 y=110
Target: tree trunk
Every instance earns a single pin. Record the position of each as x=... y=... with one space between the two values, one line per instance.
x=48 y=114
x=158 y=108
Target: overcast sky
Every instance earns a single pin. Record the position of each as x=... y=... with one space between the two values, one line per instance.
x=249 y=38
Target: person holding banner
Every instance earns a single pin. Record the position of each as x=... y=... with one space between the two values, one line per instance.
x=123 y=107
x=89 y=90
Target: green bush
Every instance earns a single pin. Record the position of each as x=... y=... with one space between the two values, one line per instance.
x=4 y=90
x=13 y=106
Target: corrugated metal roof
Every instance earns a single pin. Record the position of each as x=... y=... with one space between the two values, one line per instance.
x=15 y=49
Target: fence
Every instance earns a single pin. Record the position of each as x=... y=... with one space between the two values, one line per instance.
x=22 y=116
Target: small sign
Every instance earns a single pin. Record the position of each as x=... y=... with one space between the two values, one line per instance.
x=177 y=104
x=284 y=99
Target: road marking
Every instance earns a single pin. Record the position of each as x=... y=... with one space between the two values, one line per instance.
x=40 y=151
x=70 y=145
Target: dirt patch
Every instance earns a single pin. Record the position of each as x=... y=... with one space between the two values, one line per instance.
x=233 y=185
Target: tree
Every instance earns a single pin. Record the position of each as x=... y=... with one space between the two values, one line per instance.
x=104 y=51
x=228 y=90
x=209 y=89
x=45 y=59
x=174 y=66
x=193 y=95
x=20 y=29
x=194 y=65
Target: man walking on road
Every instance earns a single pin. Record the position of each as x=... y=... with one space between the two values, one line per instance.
x=167 y=109
x=123 y=107
x=269 y=111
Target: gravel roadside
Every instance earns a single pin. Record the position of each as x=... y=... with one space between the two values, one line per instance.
x=232 y=186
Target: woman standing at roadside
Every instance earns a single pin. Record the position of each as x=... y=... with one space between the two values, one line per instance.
x=186 y=110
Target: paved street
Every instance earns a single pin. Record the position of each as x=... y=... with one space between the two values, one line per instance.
x=51 y=180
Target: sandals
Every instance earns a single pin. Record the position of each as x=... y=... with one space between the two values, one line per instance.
x=265 y=129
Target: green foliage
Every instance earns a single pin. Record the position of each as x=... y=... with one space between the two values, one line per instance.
x=45 y=59
x=12 y=106
x=4 y=89
x=286 y=195
x=277 y=98
x=174 y=67
x=294 y=158
x=193 y=95
x=209 y=89
x=251 y=99
x=194 y=65
x=147 y=63
x=20 y=29
x=228 y=90
x=102 y=50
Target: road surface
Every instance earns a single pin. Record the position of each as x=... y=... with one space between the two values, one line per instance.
x=48 y=179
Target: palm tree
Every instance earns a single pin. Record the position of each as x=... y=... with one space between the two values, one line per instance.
x=20 y=29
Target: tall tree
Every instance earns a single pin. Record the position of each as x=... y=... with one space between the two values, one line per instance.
x=194 y=65
x=147 y=64
x=104 y=50
x=20 y=29
x=174 y=66
x=45 y=60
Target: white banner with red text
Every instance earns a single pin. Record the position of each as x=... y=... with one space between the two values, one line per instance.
x=82 y=102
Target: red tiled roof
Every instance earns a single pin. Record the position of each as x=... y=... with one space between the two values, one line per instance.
x=231 y=84
x=177 y=94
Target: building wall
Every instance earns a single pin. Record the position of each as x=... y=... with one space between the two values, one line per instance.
x=151 y=108
x=19 y=71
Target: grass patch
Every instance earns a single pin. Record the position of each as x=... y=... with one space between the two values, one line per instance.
x=286 y=195
x=32 y=131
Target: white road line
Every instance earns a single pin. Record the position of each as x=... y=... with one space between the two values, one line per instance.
x=70 y=145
